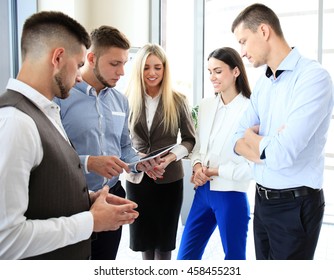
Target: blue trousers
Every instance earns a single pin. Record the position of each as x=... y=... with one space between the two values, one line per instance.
x=229 y=210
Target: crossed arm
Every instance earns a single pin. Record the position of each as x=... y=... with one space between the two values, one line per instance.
x=249 y=145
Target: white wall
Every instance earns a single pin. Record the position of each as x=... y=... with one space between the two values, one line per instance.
x=130 y=16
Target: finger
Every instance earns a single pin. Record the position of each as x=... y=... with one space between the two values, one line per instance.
x=151 y=175
x=160 y=169
x=128 y=214
x=112 y=172
x=116 y=200
x=143 y=166
x=131 y=214
x=123 y=166
x=116 y=166
x=104 y=192
x=155 y=162
x=157 y=172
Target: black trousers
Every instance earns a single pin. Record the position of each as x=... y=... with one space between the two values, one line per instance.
x=105 y=244
x=288 y=228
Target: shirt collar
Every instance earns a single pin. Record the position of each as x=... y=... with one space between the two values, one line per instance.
x=287 y=64
x=235 y=102
x=33 y=95
x=88 y=89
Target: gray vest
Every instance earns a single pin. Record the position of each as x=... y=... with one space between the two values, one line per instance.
x=57 y=187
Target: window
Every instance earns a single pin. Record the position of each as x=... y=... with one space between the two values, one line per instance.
x=178 y=41
x=307 y=27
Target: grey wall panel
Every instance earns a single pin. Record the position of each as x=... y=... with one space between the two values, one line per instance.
x=5 y=54
x=13 y=13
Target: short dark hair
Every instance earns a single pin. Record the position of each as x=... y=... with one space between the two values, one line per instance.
x=51 y=24
x=106 y=37
x=254 y=15
x=233 y=59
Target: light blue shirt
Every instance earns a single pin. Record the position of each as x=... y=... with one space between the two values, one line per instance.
x=97 y=125
x=294 y=113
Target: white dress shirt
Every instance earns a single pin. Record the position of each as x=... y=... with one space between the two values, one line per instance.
x=21 y=150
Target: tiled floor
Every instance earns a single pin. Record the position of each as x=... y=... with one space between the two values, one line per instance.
x=214 y=251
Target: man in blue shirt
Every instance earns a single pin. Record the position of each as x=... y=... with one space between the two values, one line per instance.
x=283 y=132
x=95 y=117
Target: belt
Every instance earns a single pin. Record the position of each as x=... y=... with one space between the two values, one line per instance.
x=284 y=193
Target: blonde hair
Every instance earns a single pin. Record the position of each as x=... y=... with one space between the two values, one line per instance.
x=171 y=100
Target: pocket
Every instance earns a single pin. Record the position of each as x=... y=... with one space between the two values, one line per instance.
x=116 y=123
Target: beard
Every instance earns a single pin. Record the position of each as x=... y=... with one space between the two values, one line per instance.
x=99 y=77
x=61 y=87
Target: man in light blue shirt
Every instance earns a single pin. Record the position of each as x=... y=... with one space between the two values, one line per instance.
x=284 y=132
x=95 y=118
x=97 y=125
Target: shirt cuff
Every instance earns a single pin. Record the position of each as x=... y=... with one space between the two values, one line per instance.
x=263 y=145
x=133 y=168
x=235 y=138
x=226 y=171
x=179 y=151
x=86 y=164
x=195 y=162
x=84 y=225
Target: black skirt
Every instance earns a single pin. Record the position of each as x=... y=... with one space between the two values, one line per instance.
x=159 y=207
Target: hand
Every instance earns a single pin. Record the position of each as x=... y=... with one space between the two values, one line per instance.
x=110 y=211
x=94 y=195
x=159 y=170
x=254 y=129
x=210 y=171
x=148 y=165
x=252 y=140
x=199 y=177
x=107 y=166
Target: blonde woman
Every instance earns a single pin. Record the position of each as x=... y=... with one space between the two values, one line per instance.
x=158 y=115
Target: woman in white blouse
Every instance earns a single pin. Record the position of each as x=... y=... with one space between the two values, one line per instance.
x=220 y=176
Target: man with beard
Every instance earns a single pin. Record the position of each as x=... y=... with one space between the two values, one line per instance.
x=95 y=117
x=45 y=208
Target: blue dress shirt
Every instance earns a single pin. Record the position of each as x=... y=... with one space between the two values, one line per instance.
x=294 y=112
x=97 y=125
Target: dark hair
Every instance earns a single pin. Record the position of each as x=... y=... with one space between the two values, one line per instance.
x=106 y=37
x=45 y=25
x=233 y=59
x=254 y=15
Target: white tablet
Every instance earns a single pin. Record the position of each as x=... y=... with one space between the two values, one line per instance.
x=154 y=154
